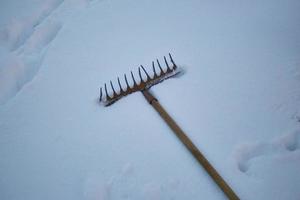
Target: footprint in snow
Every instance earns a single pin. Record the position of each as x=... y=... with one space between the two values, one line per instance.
x=245 y=155
x=19 y=31
x=26 y=41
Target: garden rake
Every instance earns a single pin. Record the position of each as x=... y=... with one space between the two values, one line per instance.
x=144 y=86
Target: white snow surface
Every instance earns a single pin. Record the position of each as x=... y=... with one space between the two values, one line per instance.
x=238 y=100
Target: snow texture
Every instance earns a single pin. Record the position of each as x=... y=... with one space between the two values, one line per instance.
x=238 y=100
x=25 y=40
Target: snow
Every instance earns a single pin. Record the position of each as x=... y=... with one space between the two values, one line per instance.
x=25 y=40
x=238 y=99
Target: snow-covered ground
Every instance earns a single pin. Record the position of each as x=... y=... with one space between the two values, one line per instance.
x=238 y=100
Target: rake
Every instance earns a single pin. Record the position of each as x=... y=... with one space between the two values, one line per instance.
x=144 y=86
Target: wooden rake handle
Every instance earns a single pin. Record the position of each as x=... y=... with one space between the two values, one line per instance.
x=190 y=146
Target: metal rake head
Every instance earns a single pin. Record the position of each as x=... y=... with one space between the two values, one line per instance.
x=170 y=71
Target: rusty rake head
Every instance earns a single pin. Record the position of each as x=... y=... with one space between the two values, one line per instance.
x=157 y=77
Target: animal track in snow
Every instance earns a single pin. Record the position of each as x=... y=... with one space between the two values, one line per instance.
x=19 y=31
x=26 y=41
x=42 y=37
x=246 y=154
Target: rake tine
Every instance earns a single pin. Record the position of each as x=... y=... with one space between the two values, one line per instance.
x=140 y=75
x=128 y=87
x=168 y=68
x=107 y=97
x=148 y=77
x=113 y=89
x=121 y=89
x=161 y=70
x=153 y=68
x=174 y=65
x=134 y=82
x=160 y=73
x=100 y=99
